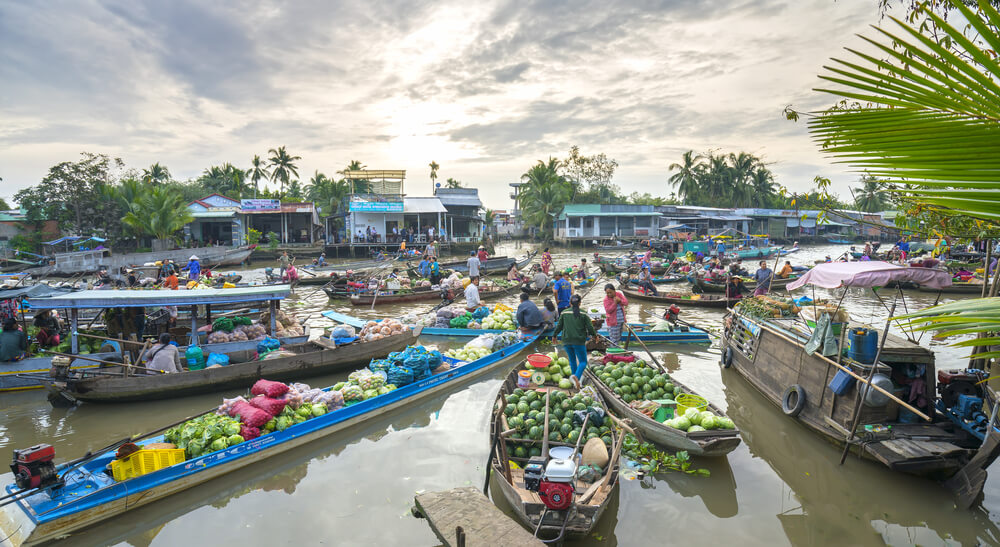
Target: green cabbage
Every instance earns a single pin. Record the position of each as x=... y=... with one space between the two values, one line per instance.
x=234 y=440
x=219 y=444
x=319 y=409
x=284 y=422
x=304 y=411
x=232 y=428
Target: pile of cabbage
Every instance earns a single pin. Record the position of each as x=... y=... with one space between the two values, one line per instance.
x=483 y=345
x=205 y=434
x=694 y=420
x=499 y=319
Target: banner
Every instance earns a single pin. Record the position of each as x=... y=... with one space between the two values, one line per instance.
x=260 y=205
x=376 y=206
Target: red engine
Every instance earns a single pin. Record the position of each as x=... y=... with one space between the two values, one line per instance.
x=33 y=467
x=557 y=496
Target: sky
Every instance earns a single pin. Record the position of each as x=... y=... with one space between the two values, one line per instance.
x=484 y=88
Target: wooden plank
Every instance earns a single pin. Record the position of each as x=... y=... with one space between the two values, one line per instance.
x=482 y=522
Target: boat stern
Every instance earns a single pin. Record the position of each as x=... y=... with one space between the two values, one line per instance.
x=16 y=527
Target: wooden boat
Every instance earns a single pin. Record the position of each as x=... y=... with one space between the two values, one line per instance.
x=583 y=516
x=957 y=287
x=716 y=442
x=92 y=496
x=675 y=278
x=837 y=240
x=681 y=335
x=786 y=252
x=706 y=301
x=770 y=354
x=310 y=359
x=615 y=245
x=495 y=264
x=753 y=252
x=82 y=262
x=711 y=287
x=419 y=294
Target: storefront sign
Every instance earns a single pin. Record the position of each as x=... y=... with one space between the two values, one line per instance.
x=260 y=204
x=377 y=206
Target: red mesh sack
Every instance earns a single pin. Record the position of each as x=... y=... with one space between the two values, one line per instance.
x=611 y=358
x=250 y=415
x=248 y=432
x=269 y=405
x=269 y=388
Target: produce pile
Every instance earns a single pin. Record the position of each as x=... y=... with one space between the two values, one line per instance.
x=414 y=320
x=765 y=306
x=525 y=412
x=285 y=325
x=400 y=368
x=694 y=420
x=502 y=319
x=483 y=345
x=558 y=371
x=636 y=381
x=376 y=331
x=206 y=434
x=241 y=333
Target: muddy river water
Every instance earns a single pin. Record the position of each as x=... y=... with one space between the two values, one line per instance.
x=782 y=486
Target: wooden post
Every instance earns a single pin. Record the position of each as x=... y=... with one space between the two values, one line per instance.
x=274 y=315
x=194 y=326
x=208 y=314
x=74 y=315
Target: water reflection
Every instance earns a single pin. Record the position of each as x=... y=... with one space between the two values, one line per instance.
x=859 y=503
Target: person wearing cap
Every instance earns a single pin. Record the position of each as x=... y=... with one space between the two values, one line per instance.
x=193 y=268
x=473 y=264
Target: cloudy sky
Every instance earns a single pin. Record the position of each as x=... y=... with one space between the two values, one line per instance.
x=485 y=88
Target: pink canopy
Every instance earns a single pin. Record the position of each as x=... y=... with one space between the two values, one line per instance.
x=831 y=275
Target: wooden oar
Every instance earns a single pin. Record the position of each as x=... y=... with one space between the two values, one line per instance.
x=103 y=362
x=653 y=357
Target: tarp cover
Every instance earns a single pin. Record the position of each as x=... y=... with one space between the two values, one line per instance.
x=832 y=275
x=34 y=291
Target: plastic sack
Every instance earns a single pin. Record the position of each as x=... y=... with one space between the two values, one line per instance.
x=224 y=324
x=269 y=388
x=239 y=320
x=481 y=312
x=249 y=433
x=484 y=341
x=217 y=359
x=343 y=331
x=662 y=326
x=227 y=404
x=267 y=344
x=332 y=399
x=596 y=416
x=434 y=360
x=379 y=364
x=400 y=376
x=615 y=358
x=269 y=405
x=249 y=414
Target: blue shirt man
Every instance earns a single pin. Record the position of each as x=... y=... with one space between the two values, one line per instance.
x=563 y=290
x=720 y=249
x=424 y=268
x=194 y=267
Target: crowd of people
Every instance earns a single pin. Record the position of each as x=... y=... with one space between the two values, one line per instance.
x=396 y=234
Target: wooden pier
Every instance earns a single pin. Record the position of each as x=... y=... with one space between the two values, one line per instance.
x=465 y=517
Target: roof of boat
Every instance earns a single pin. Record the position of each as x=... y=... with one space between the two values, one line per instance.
x=161 y=297
x=832 y=275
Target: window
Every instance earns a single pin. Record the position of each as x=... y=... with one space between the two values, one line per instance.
x=642 y=222
x=588 y=222
x=574 y=222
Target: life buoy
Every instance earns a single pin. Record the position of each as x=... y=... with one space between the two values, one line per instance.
x=727 y=357
x=794 y=400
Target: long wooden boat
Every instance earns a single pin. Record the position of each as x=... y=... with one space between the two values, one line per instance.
x=744 y=254
x=770 y=355
x=495 y=264
x=577 y=522
x=716 y=442
x=957 y=287
x=310 y=359
x=415 y=295
x=82 y=262
x=91 y=495
x=706 y=301
x=712 y=287
x=642 y=332
x=664 y=280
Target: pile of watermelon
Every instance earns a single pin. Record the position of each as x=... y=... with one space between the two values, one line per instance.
x=525 y=412
x=636 y=381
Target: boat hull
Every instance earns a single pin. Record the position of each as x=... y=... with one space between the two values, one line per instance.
x=703 y=302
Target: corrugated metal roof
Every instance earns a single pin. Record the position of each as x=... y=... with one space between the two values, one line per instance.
x=423 y=205
x=161 y=297
x=459 y=197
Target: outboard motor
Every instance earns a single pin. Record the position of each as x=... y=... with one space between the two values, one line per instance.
x=33 y=467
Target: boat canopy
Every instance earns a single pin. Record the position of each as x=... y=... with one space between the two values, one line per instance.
x=832 y=275
x=34 y=291
x=155 y=298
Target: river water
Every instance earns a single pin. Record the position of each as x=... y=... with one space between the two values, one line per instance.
x=782 y=486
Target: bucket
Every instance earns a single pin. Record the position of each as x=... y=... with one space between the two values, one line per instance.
x=539 y=360
x=688 y=400
x=524 y=378
x=863 y=345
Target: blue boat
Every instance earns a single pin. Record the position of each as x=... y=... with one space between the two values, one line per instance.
x=90 y=495
x=692 y=336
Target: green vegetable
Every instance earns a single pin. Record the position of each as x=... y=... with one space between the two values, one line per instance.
x=219 y=444
x=284 y=422
x=232 y=428
x=319 y=409
x=233 y=440
x=304 y=411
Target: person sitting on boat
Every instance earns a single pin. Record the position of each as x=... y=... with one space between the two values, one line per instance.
x=735 y=287
x=48 y=329
x=193 y=267
x=576 y=329
x=963 y=274
x=163 y=356
x=291 y=274
x=321 y=261
x=424 y=268
x=828 y=259
x=786 y=270
x=584 y=271
x=473 y=264
x=171 y=281
x=562 y=289
x=539 y=281
x=597 y=258
x=614 y=306
x=763 y=278
x=549 y=314
x=472 y=295
x=13 y=342
x=646 y=282
x=528 y=316
x=513 y=274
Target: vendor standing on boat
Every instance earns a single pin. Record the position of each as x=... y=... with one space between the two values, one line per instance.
x=472 y=295
x=483 y=256
x=48 y=329
x=473 y=264
x=563 y=291
x=283 y=261
x=529 y=317
x=576 y=329
x=163 y=356
x=13 y=342
x=435 y=271
x=424 y=268
x=763 y=278
x=614 y=306
x=193 y=268
x=431 y=250
x=546 y=261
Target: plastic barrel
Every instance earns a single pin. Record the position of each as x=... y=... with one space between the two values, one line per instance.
x=864 y=345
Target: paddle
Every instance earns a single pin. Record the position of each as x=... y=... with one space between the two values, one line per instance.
x=653 y=357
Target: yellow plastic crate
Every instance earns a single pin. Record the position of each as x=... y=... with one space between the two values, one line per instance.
x=145 y=461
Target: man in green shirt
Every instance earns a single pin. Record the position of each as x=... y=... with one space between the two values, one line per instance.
x=576 y=328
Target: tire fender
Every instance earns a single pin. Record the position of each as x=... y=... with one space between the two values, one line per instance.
x=727 y=357
x=793 y=400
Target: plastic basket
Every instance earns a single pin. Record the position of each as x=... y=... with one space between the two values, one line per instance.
x=687 y=400
x=539 y=360
x=145 y=461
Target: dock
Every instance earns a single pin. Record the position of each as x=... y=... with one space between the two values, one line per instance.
x=468 y=510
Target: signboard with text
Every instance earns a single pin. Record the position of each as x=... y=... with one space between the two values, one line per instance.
x=376 y=206
x=260 y=204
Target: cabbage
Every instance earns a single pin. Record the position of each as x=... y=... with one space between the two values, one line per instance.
x=271 y=425
x=319 y=409
x=682 y=423
x=691 y=413
x=219 y=444
x=723 y=422
x=234 y=440
x=232 y=428
x=709 y=422
x=304 y=411
x=298 y=419
x=195 y=448
x=695 y=428
x=284 y=422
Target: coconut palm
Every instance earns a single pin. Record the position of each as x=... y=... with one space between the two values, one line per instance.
x=358 y=186
x=928 y=115
x=159 y=213
x=870 y=197
x=434 y=173
x=544 y=194
x=686 y=179
x=283 y=166
x=156 y=174
x=452 y=183
x=258 y=171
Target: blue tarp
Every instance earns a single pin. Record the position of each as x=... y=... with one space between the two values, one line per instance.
x=62 y=240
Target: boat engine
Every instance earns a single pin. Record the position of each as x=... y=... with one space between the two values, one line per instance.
x=556 y=487
x=954 y=383
x=33 y=467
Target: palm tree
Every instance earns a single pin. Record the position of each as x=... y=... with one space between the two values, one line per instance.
x=159 y=213
x=326 y=192
x=258 y=171
x=686 y=179
x=156 y=174
x=452 y=183
x=545 y=192
x=871 y=196
x=762 y=182
x=357 y=186
x=283 y=166
x=434 y=175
